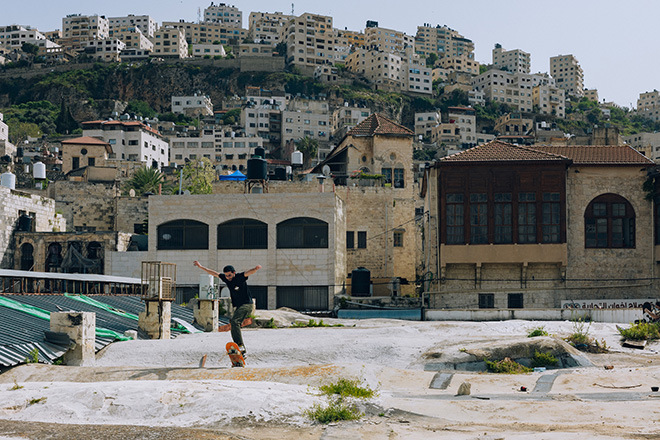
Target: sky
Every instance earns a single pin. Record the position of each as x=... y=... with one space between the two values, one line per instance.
x=614 y=41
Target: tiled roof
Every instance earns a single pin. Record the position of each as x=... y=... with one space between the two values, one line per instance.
x=496 y=151
x=378 y=124
x=597 y=154
x=85 y=140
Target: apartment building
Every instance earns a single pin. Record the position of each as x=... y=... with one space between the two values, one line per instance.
x=261 y=115
x=646 y=143
x=268 y=28
x=255 y=50
x=345 y=117
x=387 y=40
x=311 y=41
x=225 y=148
x=458 y=130
x=549 y=100
x=417 y=76
x=591 y=94
x=648 y=105
x=6 y=147
x=107 y=50
x=225 y=14
x=204 y=50
x=132 y=36
x=208 y=33
x=170 y=43
x=78 y=29
x=568 y=74
x=307 y=118
x=353 y=38
x=461 y=63
x=513 y=124
x=147 y=25
x=516 y=60
x=425 y=121
x=196 y=105
x=14 y=36
x=442 y=41
x=130 y=140
x=513 y=89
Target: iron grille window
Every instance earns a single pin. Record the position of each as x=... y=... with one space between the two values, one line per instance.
x=526 y=217
x=550 y=218
x=362 y=240
x=302 y=233
x=503 y=218
x=303 y=297
x=479 y=218
x=609 y=223
x=486 y=300
x=398 y=238
x=455 y=219
x=243 y=233
x=183 y=234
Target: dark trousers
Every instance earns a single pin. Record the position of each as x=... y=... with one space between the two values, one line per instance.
x=240 y=314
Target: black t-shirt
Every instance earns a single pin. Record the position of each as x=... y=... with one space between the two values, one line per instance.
x=238 y=289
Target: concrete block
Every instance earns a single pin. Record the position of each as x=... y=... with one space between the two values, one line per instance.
x=81 y=329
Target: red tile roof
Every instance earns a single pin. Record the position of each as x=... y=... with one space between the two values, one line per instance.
x=597 y=154
x=496 y=151
x=377 y=124
x=85 y=140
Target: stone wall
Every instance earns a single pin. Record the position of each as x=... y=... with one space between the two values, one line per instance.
x=131 y=211
x=13 y=203
x=281 y=267
x=86 y=206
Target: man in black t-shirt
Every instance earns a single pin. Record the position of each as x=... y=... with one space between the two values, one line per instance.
x=240 y=297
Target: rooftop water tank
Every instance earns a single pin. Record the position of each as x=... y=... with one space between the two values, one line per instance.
x=256 y=168
x=260 y=151
x=361 y=282
x=8 y=180
x=39 y=170
x=297 y=158
x=280 y=173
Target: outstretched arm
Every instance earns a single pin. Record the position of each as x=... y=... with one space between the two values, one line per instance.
x=253 y=270
x=205 y=269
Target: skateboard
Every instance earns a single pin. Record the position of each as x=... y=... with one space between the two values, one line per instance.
x=235 y=355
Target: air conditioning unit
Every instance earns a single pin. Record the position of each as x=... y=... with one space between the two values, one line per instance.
x=160 y=288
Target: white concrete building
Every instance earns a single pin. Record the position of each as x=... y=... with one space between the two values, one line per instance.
x=108 y=50
x=424 y=123
x=147 y=25
x=132 y=36
x=192 y=105
x=346 y=117
x=170 y=43
x=568 y=74
x=264 y=27
x=261 y=115
x=515 y=61
x=646 y=143
x=513 y=89
x=208 y=33
x=549 y=100
x=77 y=29
x=312 y=41
x=208 y=50
x=648 y=105
x=223 y=13
x=388 y=40
x=6 y=147
x=131 y=140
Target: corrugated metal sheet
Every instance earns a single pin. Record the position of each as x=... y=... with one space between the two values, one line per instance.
x=21 y=333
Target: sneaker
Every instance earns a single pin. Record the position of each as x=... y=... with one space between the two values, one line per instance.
x=243 y=351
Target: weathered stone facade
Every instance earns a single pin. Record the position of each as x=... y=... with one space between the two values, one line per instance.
x=321 y=267
x=86 y=206
x=40 y=211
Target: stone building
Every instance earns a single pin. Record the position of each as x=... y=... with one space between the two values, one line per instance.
x=381 y=221
x=84 y=151
x=298 y=238
x=513 y=226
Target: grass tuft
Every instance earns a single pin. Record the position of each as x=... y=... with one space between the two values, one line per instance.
x=538 y=331
x=507 y=366
x=335 y=411
x=348 y=388
x=543 y=360
x=641 y=331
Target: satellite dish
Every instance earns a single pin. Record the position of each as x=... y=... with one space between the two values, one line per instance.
x=131 y=192
x=326 y=170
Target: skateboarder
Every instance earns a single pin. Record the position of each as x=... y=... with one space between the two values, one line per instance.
x=240 y=297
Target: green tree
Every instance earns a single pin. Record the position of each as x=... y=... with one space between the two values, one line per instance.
x=65 y=123
x=32 y=49
x=309 y=148
x=232 y=117
x=431 y=59
x=141 y=108
x=146 y=179
x=198 y=176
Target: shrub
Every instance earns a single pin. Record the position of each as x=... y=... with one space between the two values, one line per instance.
x=348 y=388
x=641 y=331
x=543 y=360
x=507 y=366
x=538 y=331
x=335 y=411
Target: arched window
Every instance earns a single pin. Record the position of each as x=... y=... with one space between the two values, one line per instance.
x=27 y=257
x=243 y=233
x=183 y=234
x=54 y=257
x=609 y=223
x=302 y=232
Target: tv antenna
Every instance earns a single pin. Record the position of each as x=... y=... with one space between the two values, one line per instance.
x=292 y=9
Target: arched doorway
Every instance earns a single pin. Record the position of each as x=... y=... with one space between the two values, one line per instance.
x=27 y=257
